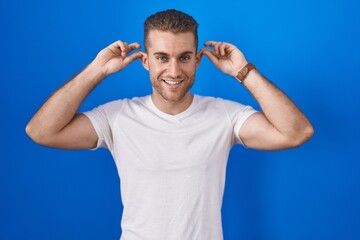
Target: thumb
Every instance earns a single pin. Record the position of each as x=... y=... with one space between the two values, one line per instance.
x=132 y=57
x=211 y=55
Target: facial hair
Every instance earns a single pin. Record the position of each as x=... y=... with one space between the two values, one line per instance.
x=172 y=96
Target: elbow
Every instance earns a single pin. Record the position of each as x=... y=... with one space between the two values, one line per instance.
x=308 y=133
x=302 y=137
x=29 y=130
x=36 y=134
x=32 y=133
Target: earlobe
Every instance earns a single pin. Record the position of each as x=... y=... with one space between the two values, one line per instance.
x=145 y=60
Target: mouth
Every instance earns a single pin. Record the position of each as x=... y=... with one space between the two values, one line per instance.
x=173 y=83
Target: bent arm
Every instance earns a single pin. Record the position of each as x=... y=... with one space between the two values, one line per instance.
x=57 y=124
x=281 y=125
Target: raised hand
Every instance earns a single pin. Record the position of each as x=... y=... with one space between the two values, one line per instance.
x=116 y=56
x=57 y=123
x=225 y=56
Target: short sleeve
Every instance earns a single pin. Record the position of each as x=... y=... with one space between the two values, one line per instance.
x=238 y=114
x=100 y=118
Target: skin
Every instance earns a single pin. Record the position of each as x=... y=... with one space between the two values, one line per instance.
x=281 y=124
x=171 y=60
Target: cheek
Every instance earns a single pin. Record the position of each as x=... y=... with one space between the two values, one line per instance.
x=190 y=70
x=153 y=72
x=156 y=70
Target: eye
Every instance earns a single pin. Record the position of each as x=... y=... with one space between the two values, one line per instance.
x=162 y=58
x=185 y=58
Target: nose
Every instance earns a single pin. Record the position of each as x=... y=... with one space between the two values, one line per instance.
x=174 y=69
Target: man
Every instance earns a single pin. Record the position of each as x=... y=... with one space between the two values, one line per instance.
x=171 y=147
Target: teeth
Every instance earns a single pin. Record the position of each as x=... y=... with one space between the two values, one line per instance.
x=172 y=83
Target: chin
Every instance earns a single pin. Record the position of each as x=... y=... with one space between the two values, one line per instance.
x=174 y=99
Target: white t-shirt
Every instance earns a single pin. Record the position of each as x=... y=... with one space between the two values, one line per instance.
x=172 y=168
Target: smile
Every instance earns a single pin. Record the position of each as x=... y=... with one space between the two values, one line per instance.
x=172 y=82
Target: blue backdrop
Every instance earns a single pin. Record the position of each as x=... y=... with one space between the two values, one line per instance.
x=309 y=48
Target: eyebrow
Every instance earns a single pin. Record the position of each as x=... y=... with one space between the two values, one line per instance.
x=163 y=53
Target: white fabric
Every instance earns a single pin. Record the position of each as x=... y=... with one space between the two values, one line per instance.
x=172 y=168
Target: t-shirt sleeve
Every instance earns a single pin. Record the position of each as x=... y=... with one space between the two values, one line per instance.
x=100 y=118
x=238 y=114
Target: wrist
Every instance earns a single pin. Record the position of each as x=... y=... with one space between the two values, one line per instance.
x=244 y=71
x=95 y=72
x=98 y=69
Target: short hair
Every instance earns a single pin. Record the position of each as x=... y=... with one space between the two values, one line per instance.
x=170 y=20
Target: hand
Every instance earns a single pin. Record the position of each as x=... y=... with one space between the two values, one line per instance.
x=115 y=57
x=225 y=56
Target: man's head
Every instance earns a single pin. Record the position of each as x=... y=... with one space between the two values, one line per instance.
x=170 y=20
x=171 y=56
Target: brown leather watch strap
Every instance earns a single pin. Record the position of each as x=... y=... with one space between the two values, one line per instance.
x=240 y=76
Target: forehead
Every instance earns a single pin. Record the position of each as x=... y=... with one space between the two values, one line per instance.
x=169 y=42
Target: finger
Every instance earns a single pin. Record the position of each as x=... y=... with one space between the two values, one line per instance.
x=220 y=48
x=130 y=47
x=210 y=43
x=134 y=46
x=223 y=48
x=119 y=48
x=215 y=45
x=124 y=49
x=132 y=57
x=214 y=52
x=217 y=48
x=228 y=48
x=115 y=47
x=211 y=55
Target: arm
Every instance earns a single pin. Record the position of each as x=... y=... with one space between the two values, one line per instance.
x=57 y=124
x=281 y=124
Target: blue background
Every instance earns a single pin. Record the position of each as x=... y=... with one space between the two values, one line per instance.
x=310 y=49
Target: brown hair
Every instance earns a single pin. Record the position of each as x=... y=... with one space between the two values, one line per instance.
x=170 y=20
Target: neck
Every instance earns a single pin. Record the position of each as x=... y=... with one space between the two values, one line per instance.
x=172 y=107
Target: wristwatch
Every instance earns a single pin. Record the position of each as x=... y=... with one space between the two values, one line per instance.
x=240 y=76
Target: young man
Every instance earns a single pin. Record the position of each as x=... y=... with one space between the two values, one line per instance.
x=171 y=147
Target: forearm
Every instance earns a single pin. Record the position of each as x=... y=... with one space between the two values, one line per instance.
x=278 y=108
x=62 y=105
x=281 y=125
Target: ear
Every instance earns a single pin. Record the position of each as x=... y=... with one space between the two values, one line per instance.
x=144 y=60
x=198 y=58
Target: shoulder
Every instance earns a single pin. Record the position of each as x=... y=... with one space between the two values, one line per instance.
x=205 y=100
x=123 y=103
x=112 y=109
x=224 y=107
x=217 y=102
